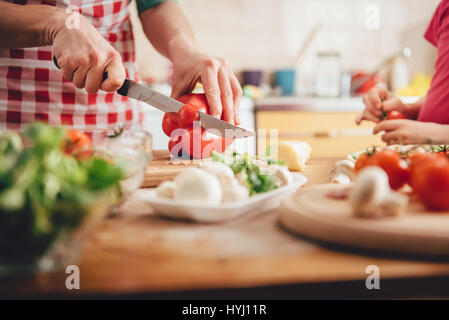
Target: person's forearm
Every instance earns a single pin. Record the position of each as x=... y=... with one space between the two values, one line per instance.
x=167 y=29
x=30 y=25
x=439 y=134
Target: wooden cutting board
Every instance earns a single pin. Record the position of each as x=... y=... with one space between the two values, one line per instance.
x=311 y=213
x=162 y=168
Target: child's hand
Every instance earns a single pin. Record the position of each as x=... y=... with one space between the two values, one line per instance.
x=412 y=132
x=378 y=100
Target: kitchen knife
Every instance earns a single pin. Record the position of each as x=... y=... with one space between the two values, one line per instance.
x=164 y=103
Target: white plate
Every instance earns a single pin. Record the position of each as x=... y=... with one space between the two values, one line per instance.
x=226 y=211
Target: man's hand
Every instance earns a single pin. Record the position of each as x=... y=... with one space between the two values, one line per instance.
x=84 y=55
x=170 y=33
x=412 y=132
x=221 y=87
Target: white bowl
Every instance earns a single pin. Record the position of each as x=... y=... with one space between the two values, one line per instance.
x=212 y=213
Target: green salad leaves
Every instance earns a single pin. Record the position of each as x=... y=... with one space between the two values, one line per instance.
x=44 y=192
x=247 y=170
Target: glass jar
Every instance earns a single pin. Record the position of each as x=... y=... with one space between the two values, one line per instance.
x=328 y=74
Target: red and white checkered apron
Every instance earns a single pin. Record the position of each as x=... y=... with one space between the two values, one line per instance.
x=33 y=89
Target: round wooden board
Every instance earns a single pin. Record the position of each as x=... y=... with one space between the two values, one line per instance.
x=311 y=213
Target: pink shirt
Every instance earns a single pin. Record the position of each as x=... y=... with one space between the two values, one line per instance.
x=436 y=105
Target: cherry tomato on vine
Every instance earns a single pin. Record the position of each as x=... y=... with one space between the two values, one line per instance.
x=430 y=182
x=393 y=164
x=364 y=160
x=395 y=115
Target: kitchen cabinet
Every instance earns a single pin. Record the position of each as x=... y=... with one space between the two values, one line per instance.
x=330 y=131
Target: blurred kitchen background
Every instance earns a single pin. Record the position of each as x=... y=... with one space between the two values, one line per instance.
x=303 y=64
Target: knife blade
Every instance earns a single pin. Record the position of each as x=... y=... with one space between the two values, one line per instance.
x=164 y=103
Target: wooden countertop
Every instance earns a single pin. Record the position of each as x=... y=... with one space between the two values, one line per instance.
x=139 y=253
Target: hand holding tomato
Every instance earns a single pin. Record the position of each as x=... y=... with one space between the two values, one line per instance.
x=377 y=101
x=221 y=87
x=381 y=104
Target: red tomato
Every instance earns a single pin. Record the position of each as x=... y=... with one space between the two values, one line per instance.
x=213 y=143
x=192 y=141
x=175 y=147
x=198 y=100
x=187 y=115
x=170 y=123
x=364 y=160
x=77 y=143
x=221 y=144
x=395 y=115
x=199 y=145
x=395 y=167
x=414 y=159
x=431 y=183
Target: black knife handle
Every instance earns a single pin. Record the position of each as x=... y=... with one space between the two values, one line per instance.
x=123 y=89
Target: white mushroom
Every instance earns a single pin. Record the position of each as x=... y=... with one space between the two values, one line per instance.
x=218 y=169
x=197 y=185
x=342 y=172
x=166 y=190
x=232 y=189
x=282 y=176
x=371 y=196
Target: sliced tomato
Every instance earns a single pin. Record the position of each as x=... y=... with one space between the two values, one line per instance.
x=195 y=141
x=199 y=145
x=170 y=123
x=192 y=141
x=221 y=144
x=198 y=100
x=187 y=115
x=175 y=147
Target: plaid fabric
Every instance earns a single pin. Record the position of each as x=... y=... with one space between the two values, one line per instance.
x=33 y=89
